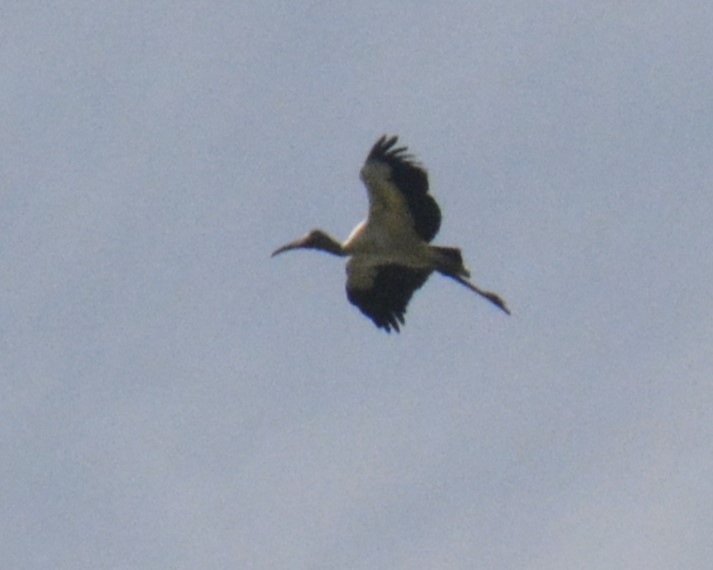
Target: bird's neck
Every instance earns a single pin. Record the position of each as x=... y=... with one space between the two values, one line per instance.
x=327 y=243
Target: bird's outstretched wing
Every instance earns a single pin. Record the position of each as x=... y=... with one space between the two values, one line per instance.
x=382 y=292
x=395 y=181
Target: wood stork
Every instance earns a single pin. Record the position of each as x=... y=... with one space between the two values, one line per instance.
x=390 y=255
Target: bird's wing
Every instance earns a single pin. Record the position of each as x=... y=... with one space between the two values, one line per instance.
x=382 y=292
x=398 y=188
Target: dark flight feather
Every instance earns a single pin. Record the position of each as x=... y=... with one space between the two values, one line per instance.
x=386 y=300
x=412 y=181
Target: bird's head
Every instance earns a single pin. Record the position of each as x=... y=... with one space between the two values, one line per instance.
x=316 y=239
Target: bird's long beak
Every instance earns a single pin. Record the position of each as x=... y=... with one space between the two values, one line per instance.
x=298 y=243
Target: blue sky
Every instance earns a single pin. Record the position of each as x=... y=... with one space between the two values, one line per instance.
x=174 y=398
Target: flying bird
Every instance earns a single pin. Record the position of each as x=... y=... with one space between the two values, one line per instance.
x=390 y=252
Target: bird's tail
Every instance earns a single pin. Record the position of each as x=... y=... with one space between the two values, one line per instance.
x=450 y=260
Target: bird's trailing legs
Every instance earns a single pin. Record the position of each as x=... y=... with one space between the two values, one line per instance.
x=494 y=298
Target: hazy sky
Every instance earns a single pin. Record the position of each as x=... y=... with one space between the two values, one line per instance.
x=174 y=398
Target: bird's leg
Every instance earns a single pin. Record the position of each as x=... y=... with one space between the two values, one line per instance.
x=494 y=298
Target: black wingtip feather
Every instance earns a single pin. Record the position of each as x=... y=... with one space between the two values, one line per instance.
x=398 y=157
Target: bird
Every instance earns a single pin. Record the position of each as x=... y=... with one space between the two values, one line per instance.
x=390 y=254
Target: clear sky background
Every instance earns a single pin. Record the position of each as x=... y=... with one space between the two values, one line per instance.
x=174 y=398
